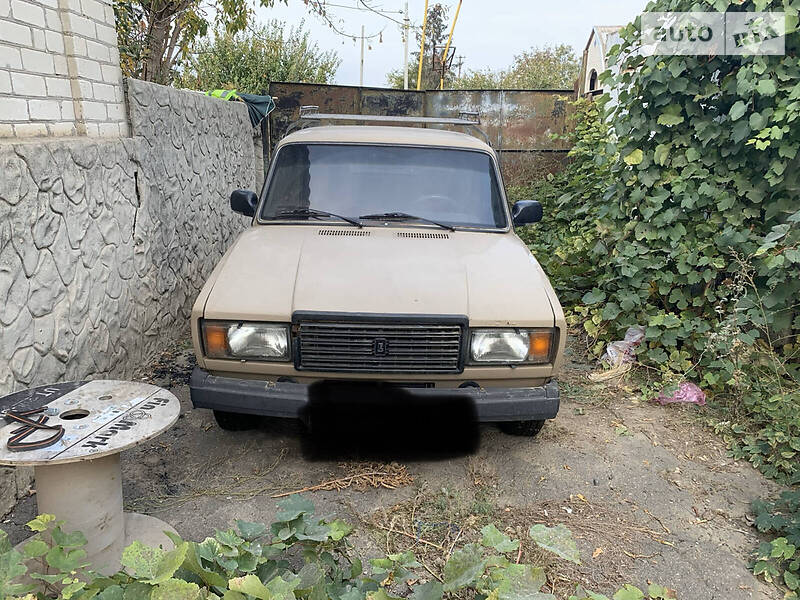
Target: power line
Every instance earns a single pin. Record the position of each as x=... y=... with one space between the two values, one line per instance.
x=321 y=4
x=319 y=8
x=368 y=9
x=381 y=13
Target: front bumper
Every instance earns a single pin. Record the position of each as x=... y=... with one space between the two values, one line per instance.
x=288 y=399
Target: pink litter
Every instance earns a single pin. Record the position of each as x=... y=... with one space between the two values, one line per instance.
x=686 y=392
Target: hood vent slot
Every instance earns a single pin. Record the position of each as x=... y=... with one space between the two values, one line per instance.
x=344 y=232
x=419 y=235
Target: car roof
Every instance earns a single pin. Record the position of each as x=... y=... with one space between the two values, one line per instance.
x=371 y=134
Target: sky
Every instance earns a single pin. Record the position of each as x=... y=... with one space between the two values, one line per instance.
x=488 y=33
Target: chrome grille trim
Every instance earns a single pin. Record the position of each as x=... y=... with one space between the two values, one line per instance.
x=344 y=346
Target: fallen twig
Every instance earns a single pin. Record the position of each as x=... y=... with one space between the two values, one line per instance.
x=660 y=522
x=408 y=535
x=390 y=477
x=429 y=570
x=637 y=556
x=453 y=545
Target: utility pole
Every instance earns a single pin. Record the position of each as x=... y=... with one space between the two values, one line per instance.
x=362 y=57
x=422 y=47
x=406 y=31
x=447 y=47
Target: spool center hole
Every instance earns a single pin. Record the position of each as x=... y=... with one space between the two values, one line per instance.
x=74 y=414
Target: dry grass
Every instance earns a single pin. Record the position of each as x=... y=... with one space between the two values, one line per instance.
x=240 y=487
x=361 y=476
x=613 y=538
x=434 y=524
x=209 y=481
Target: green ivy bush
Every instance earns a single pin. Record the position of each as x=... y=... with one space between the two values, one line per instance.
x=683 y=217
x=299 y=556
x=779 y=559
x=707 y=173
x=572 y=238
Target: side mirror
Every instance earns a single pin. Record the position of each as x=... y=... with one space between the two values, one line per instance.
x=526 y=211
x=244 y=202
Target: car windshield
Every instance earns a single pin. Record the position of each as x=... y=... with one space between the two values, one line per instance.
x=455 y=187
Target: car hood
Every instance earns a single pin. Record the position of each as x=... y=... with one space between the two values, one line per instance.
x=275 y=270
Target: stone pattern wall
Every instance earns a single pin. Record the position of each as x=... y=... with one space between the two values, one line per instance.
x=195 y=150
x=59 y=69
x=258 y=158
x=104 y=244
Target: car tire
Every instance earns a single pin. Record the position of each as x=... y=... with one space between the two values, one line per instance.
x=521 y=428
x=235 y=421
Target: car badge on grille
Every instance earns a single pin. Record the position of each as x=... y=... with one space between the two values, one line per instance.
x=380 y=347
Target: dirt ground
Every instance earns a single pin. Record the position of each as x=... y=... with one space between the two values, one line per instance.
x=649 y=493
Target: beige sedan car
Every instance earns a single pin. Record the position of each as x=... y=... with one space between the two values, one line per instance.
x=382 y=255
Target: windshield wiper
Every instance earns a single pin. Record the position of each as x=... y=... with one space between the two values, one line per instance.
x=401 y=216
x=313 y=212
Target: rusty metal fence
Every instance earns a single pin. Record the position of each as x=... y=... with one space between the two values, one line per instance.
x=519 y=123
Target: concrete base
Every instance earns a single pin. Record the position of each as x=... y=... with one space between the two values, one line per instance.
x=138 y=528
x=147 y=530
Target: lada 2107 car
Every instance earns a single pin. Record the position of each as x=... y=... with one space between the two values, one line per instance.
x=383 y=254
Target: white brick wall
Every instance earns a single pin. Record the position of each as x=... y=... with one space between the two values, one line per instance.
x=45 y=45
x=36 y=61
x=24 y=84
x=10 y=58
x=58 y=87
x=17 y=34
x=28 y=12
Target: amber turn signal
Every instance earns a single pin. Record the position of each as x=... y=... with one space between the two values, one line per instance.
x=539 y=346
x=216 y=340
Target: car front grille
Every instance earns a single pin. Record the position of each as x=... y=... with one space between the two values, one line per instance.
x=364 y=347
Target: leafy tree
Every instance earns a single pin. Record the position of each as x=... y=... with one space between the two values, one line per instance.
x=549 y=67
x=248 y=61
x=436 y=33
x=156 y=36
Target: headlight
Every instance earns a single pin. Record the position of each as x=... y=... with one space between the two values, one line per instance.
x=255 y=341
x=511 y=346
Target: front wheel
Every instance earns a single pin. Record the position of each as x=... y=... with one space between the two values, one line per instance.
x=235 y=421
x=521 y=428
